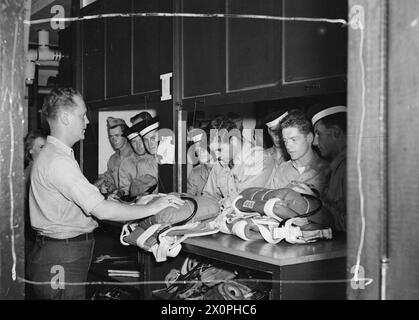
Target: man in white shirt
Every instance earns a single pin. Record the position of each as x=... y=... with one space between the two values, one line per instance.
x=63 y=204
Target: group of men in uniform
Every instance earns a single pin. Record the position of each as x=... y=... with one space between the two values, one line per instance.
x=132 y=170
x=308 y=149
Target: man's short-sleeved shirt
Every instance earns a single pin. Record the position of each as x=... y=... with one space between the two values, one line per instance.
x=114 y=163
x=313 y=174
x=147 y=165
x=127 y=173
x=197 y=179
x=135 y=167
x=61 y=198
x=252 y=170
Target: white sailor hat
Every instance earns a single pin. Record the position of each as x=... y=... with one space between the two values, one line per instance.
x=144 y=115
x=132 y=132
x=146 y=126
x=319 y=112
x=196 y=138
x=196 y=135
x=272 y=120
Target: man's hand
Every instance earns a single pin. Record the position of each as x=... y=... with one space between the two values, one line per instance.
x=100 y=181
x=168 y=201
x=105 y=183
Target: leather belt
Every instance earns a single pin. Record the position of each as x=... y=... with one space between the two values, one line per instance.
x=82 y=237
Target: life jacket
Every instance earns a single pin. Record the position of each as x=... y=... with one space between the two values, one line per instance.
x=281 y=203
x=275 y=215
x=163 y=232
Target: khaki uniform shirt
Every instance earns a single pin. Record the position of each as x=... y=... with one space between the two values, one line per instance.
x=197 y=179
x=133 y=169
x=128 y=172
x=114 y=163
x=276 y=156
x=253 y=168
x=314 y=174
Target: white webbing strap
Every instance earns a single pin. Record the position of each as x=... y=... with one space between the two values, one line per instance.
x=145 y=235
x=170 y=246
x=269 y=208
x=239 y=229
x=126 y=231
x=265 y=227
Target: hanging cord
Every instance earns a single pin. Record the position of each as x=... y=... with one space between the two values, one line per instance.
x=182 y=222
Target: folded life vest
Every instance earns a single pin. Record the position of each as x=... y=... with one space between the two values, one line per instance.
x=254 y=226
x=278 y=204
x=163 y=233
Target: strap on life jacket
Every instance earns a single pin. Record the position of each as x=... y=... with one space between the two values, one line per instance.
x=195 y=209
x=309 y=213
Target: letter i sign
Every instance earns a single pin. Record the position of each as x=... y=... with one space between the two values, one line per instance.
x=165 y=86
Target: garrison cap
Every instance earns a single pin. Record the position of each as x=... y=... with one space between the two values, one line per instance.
x=114 y=122
x=320 y=111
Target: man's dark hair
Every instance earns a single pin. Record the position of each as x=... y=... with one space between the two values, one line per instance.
x=225 y=128
x=337 y=119
x=234 y=116
x=297 y=119
x=222 y=122
x=57 y=99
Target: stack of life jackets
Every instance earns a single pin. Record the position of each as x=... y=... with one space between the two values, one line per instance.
x=290 y=214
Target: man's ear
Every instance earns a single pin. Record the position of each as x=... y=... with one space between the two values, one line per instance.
x=310 y=138
x=64 y=118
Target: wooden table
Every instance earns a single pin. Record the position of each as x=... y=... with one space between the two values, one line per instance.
x=308 y=264
x=315 y=267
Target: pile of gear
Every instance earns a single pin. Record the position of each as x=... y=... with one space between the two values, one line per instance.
x=207 y=282
x=292 y=214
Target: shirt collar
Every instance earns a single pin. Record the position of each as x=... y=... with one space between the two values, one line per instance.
x=60 y=145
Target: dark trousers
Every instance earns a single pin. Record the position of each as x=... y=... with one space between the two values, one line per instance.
x=56 y=266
